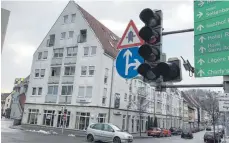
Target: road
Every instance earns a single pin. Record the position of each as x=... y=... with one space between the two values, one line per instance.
x=18 y=136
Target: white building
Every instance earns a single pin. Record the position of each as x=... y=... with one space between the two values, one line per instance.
x=75 y=66
x=8 y=102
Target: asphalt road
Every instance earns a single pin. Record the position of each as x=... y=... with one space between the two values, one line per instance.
x=18 y=136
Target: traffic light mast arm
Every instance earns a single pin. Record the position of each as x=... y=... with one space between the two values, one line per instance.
x=191 y=85
x=177 y=31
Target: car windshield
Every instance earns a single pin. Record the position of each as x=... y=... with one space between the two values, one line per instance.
x=116 y=128
x=209 y=133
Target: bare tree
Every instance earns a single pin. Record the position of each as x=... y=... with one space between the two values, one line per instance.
x=141 y=104
x=210 y=105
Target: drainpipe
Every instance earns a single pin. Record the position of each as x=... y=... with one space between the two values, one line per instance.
x=111 y=91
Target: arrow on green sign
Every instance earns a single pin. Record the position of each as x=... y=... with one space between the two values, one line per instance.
x=211 y=11
x=214 y=24
x=212 y=42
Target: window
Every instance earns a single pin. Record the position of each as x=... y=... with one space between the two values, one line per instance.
x=85 y=92
x=101 y=118
x=8 y=100
x=42 y=72
x=130 y=96
x=55 y=71
x=58 y=52
x=34 y=92
x=69 y=70
x=106 y=76
x=70 y=34
x=83 y=70
x=51 y=40
x=125 y=97
x=39 y=55
x=48 y=117
x=60 y=119
x=63 y=35
x=83 y=36
x=39 y=90
x=105 y=92
x=134 y=98
x=73 y=18
x=53 y=90
x=67 y=90
x=89 y=91
x=124 y=122
x=93 y=50
x=45 y=55
x=104 y=101
x=72 y=51
x=82 y=121
x=91 y=70
x=86 y=51
x=37 y=72
x=32 y=116
x=66 y=19
x=81 y=91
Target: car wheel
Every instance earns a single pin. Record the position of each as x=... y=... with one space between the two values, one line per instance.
x=90 y=138
x=117 y=140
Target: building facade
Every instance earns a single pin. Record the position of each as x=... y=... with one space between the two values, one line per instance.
x=74 y=69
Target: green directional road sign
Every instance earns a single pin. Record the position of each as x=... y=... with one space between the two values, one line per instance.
x=211 y=30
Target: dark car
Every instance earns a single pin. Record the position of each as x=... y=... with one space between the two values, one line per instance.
x=173 y=131
x=186 y=133
x=209 y=137
x=179 y=131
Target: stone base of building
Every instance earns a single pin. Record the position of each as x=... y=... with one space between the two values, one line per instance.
x=79 y=117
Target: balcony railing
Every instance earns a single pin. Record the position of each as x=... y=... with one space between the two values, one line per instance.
x=70 y=60
x=54 y=79
x=68 y=79
x=65 y=99
x=56 y=61
x=142 y=91
x=50 y=98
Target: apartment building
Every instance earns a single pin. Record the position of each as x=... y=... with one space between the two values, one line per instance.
x=74 y=68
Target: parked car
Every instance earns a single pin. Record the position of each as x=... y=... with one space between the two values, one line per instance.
x=155 y=132
x=107 y=132
x=179 y=131
x=166 y=132
x=187 y=133
x=173 y=131
x=209 y=137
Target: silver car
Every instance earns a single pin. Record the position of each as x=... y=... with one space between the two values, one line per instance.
x=107 y=132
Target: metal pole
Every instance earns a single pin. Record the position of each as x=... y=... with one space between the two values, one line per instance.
x=226 y=90
x=183 y=115
x=112 y=76
x=192 y=85
x=224 y=135
x=154 y=105
x=177 y=31
x=63 y=125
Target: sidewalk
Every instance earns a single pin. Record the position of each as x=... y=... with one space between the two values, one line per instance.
x=50 y=130
x=143 y=135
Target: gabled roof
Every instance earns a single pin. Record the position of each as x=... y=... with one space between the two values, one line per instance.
x=106 y=37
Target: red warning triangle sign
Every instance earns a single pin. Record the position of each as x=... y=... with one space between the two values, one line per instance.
x=130 y=38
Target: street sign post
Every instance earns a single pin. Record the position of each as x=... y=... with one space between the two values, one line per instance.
x=224 y=103
x=211 y=45
x=128 y=59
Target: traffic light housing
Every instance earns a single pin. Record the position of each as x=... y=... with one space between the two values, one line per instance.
x=155 y=66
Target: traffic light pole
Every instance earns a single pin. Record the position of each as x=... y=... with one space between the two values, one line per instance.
x=226 y=90
x=177 y=31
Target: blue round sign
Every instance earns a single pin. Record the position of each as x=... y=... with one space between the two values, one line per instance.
x=127 y=62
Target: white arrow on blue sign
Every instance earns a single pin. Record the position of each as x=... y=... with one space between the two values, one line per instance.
x=127 y=62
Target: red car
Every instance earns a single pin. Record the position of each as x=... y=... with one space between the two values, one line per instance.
x=166 y=132
x=155 y=132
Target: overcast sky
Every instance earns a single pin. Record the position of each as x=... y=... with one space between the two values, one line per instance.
x=29 y=22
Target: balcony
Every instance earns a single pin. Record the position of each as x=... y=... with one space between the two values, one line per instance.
x=50 y=98
x=56 y=61
x=159 y=111
x=68 y=79
x=70 y=60
x=142 y=91
x=65 y=99
x=54 y=79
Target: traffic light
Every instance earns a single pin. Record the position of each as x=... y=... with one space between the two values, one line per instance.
x=151 y=51
x=151 y=33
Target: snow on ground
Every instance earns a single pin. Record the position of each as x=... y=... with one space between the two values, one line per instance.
x=43 y=132
x=71 y=135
